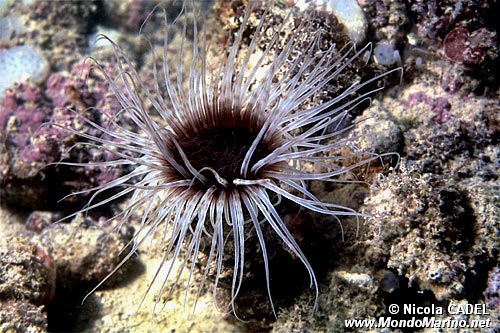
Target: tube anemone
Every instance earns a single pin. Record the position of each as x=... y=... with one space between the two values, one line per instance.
x=223 y=142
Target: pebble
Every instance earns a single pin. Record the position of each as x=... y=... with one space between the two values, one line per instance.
x=389 y=282
x=10 y=27
x=350 y=14
x=96 y=41
x=21 y=63
x=385 y=54
x=361 y=280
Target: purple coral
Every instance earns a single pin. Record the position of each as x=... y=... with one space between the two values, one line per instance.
x=440 y=106
x=86 y=93
x=23 y=111
x=27 y=115
x=492 y=293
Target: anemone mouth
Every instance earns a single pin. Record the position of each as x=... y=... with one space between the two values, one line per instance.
x=215 y=144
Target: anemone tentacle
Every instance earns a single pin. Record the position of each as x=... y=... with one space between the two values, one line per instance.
x=213 y=152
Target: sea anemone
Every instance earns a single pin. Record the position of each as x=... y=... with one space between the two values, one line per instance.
x=222 y=144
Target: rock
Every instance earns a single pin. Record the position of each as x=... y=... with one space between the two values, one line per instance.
x=84 y=252
x=389 y=282
x=39 y=220
x=360 y=280
x=347 y=12
x=59 y=29
x=352 y=17
x=19 y=316
x=21 y=63
x=492 y=293
x=10 y=27
x=27 y=272
x=385 y=54
x=96 y=41
x=5 y=6
x=378 y=132
x=345 y=295
x=29 y=141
